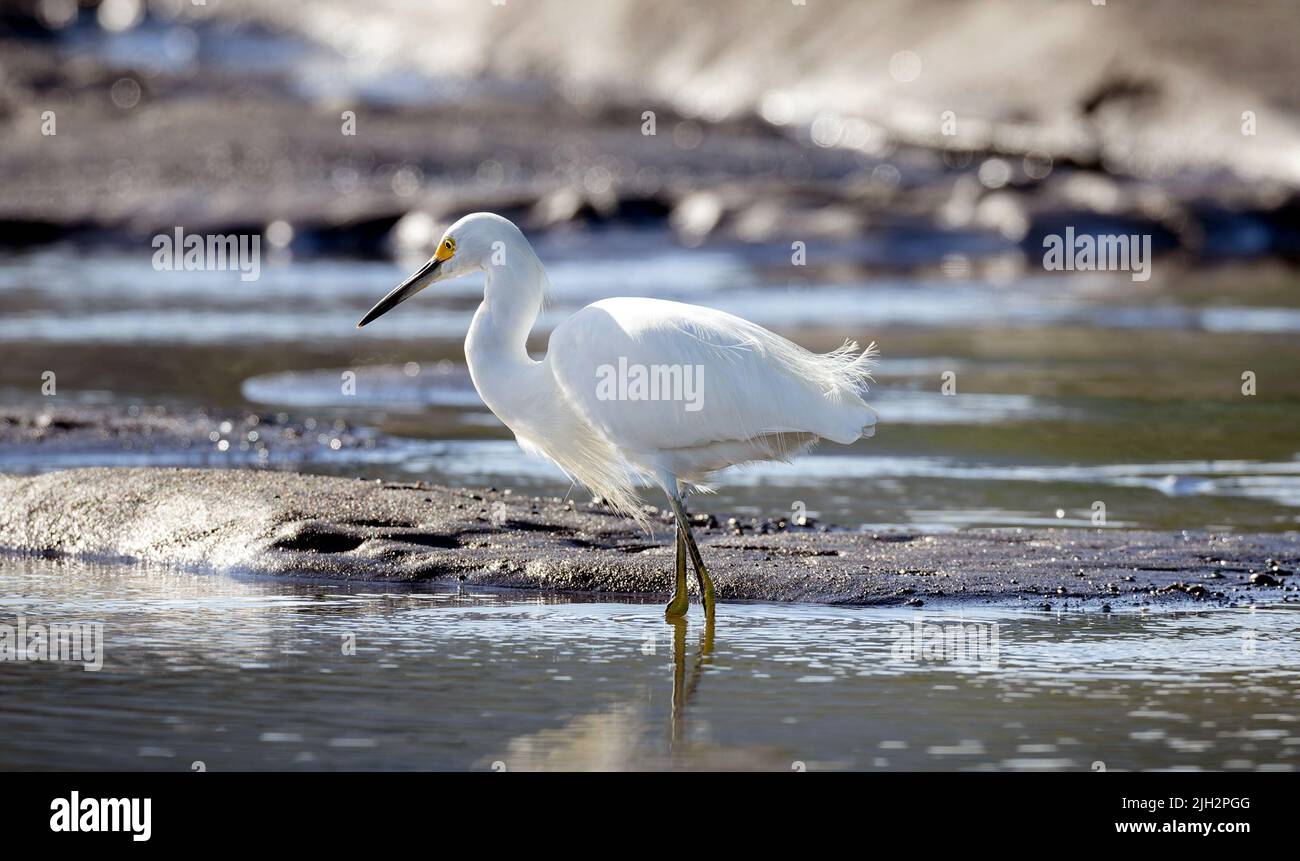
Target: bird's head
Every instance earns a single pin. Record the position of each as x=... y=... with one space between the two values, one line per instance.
x=474 y=243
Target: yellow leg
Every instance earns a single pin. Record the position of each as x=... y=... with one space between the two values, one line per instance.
x=680 y=601
x=701 y=573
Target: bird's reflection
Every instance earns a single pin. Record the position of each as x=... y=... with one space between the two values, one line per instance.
x=625 y=737
x=685 y=682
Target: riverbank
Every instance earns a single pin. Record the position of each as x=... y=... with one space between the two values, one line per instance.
x=290 y=525
x=112 y=138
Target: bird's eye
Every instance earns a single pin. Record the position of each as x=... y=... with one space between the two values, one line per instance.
x=448 y=244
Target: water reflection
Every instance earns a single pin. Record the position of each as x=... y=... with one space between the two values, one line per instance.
x=684 y=683
x=267 y=674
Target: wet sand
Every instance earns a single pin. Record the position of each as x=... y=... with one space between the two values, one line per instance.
x=285 y=524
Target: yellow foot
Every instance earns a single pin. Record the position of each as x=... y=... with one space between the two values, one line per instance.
x=678 y=605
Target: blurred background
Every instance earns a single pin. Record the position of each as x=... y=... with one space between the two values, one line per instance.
x=883 y=171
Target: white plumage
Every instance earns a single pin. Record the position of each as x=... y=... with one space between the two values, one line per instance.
x=759 y=396
x=638 y=389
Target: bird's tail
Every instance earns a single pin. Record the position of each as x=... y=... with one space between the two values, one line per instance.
x=846 y=371
x=844 y=376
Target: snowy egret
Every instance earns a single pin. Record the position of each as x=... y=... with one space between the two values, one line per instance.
x=636 y=389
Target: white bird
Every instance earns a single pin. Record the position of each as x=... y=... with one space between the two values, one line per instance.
x=635 y=390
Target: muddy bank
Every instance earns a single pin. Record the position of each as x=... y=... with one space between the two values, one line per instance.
x=309 y=526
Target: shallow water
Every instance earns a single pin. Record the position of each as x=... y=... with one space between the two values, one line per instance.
x=243 y=674
x=1067 y=391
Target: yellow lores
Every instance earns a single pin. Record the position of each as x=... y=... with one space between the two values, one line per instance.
x=445 y=250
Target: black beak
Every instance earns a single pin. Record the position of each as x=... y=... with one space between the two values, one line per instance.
x=402 y=292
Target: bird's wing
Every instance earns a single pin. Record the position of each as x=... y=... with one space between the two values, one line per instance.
x=654 y=375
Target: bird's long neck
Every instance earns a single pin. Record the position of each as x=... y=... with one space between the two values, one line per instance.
x=512 y=299
x=496 y=348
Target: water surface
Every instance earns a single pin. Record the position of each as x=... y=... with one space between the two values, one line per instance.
x=244 y=674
